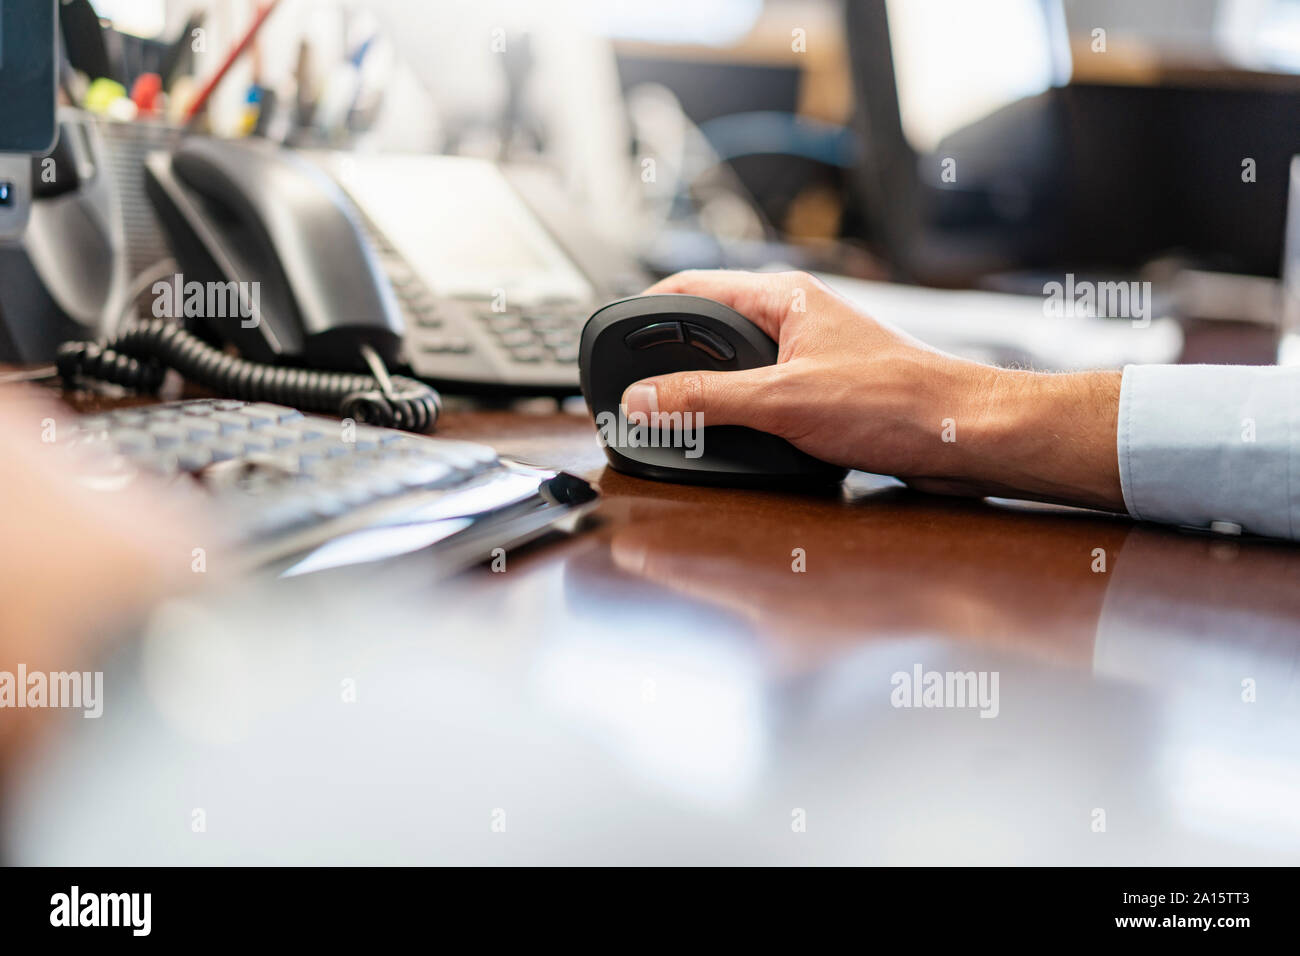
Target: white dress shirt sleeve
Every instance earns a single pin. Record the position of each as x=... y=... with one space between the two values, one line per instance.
x=1203 y=445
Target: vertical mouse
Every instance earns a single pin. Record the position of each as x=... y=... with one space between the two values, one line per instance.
x=640 y=337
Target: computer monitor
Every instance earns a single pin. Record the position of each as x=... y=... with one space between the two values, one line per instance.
x=982 y=155
x=28 y=88
x=28 y=75
x=959 y=133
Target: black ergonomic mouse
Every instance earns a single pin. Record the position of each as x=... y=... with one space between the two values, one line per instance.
x=636 y=338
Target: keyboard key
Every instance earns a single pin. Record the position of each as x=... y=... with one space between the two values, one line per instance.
x=131 y=441
x=368 y=438
x=255 y=444
x=231 y=422
x=167 y=435
x=278 y=413
x=200 y=429
x=193 y=458
x=259 y=417
x=223 y=450
x=425 y=474
x=313 y=453
x=279 y=436
x=130 y=419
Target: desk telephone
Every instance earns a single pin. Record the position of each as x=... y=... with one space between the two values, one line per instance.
x=437 y=265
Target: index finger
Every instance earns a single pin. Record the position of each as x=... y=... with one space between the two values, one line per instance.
x=765 y=298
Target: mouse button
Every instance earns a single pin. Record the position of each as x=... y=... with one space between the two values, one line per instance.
x=657 y=333
x=712 y=344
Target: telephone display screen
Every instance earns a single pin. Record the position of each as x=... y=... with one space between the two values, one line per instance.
x=27 y=75
x=462 y=227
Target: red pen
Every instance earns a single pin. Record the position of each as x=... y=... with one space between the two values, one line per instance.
x=208 y=88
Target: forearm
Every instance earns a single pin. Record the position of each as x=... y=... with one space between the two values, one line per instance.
x=1049 y=437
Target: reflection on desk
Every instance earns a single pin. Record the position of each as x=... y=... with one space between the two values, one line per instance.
x=667 y=688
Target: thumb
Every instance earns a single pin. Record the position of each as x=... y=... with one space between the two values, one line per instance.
x=721 y=398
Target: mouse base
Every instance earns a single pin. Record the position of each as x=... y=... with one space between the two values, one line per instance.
x=826 y=478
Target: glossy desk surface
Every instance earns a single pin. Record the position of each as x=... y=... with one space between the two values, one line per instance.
x=667 y=687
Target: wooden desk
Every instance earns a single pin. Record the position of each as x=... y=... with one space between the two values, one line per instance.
x=665 y=687
x=881 y=561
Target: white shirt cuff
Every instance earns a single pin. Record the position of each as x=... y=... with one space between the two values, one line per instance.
x=1203 y=444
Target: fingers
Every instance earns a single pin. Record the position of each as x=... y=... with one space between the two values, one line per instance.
x=721 y=398
x=765 y=298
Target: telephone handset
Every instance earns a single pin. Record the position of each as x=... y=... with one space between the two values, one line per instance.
x=274 y=252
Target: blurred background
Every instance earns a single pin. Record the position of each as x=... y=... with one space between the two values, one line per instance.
x=995 y=146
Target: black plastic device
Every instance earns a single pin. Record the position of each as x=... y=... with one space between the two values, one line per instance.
x=636 y=338
x=28 y=75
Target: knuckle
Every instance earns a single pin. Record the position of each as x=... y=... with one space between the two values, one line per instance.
x=786 y=282
x=762 y=402
x=803 y=280
x=816 y=287
x=798 y=288
x=782 y=398
x=691 y=391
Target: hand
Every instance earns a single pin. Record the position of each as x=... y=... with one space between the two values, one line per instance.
x=854 y=392
x=77 y=564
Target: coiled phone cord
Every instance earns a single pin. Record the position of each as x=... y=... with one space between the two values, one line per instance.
x=138 y=358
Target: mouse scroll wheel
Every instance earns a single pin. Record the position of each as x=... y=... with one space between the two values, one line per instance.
x=657 y=333
x=675 y=333
x=712 y=344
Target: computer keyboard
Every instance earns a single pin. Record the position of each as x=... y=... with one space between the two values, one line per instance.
x=282 y=483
